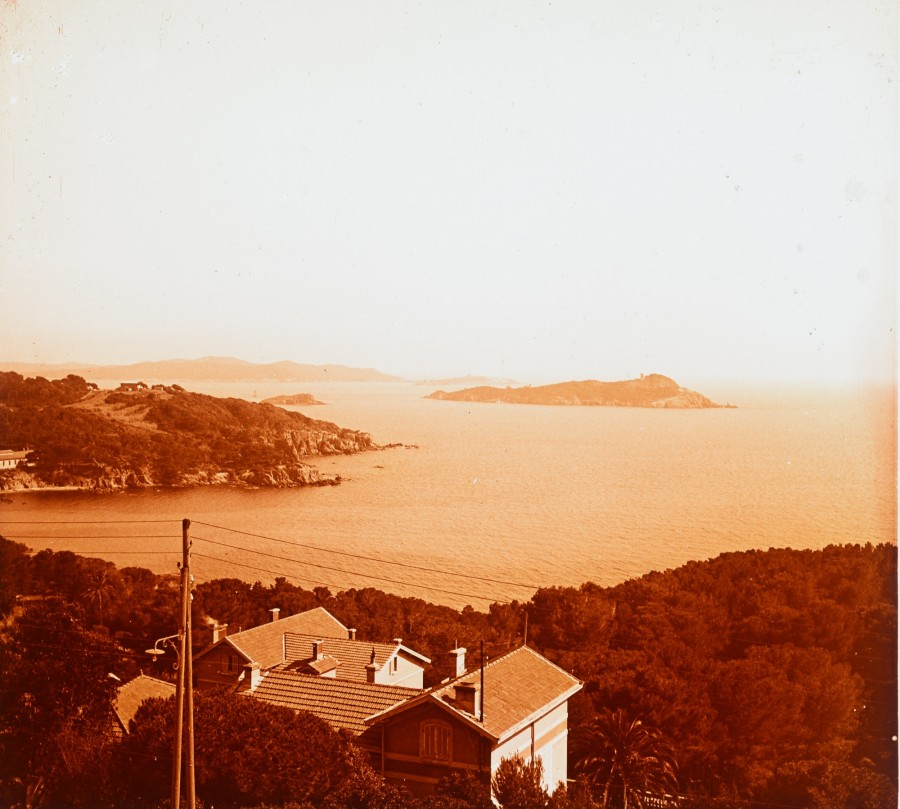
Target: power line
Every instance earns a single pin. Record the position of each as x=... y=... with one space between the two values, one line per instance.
x=85 y=522
x=340 y=586
x=326 y=567
x=370 y=558
x=92 y=536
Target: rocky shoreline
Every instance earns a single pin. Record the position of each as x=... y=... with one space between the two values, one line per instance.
x=140 y=436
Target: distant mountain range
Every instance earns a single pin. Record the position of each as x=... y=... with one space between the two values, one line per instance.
x=652 y=390
x=225 y=369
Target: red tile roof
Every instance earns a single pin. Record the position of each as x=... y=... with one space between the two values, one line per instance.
x=264 y=644
x=518 y=688
x=352 y=655
x=344 y=704
x=131 y=695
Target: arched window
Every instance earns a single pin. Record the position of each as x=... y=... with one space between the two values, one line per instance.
x=436 y=741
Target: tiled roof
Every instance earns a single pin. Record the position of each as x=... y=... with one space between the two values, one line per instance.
x=322 y=665
x=342 y=703
x=264 y=645
x=518 y=687
x=352 y=655
x=131 y=695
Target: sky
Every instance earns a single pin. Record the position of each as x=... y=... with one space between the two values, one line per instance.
x=536 y=191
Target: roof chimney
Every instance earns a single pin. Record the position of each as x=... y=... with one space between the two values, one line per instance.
x=458 y=656
x=351 y=634
x=275 y=611
x=371 y=668
x=468 y=697
x=251 y=677
x=219 y=631
x=317 y=649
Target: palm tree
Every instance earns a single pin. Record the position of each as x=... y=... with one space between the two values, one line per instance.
x=624 y=761
x=99 y=585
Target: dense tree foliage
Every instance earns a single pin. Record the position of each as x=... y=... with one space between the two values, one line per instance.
x=56 y=689
x=771 y=676
x=247 y=752
x=136 y=436
x=518 y=784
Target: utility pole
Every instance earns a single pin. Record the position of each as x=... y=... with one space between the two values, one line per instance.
x=179 y=686
x=187 y=659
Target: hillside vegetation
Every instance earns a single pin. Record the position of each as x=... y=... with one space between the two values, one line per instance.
x=140 y=436
x=771 y=675
x=653 y=390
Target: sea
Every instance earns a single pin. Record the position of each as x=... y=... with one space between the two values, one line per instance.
x=488 y=502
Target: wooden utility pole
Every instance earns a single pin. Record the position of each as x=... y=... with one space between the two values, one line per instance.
x=187 y=660
x=179 y=692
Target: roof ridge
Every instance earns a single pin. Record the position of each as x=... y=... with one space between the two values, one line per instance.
x=345 y=640
x=281 y=620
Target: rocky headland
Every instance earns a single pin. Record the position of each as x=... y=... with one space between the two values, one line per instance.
x=81 y=437
x=652 y=390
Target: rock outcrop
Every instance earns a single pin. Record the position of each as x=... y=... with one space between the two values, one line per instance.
x=653 y=390
x=301 y=399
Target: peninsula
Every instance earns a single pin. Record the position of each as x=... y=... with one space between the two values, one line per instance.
x=652 y=390
x=79 y=436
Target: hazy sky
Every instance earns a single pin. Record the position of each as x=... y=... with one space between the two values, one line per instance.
x=534 y=190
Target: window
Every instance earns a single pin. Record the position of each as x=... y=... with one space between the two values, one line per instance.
x=436 y=741
x=231 y=662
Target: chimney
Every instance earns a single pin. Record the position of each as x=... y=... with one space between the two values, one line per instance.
x=351 y=634
x=251 y=677
x=317 y=649
x=468 y=697
x=371 y=668
x=219 y=631
x=458 y=658
x=275 y=611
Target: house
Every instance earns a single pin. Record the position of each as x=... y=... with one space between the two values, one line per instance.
x=11 y=458
x=344 y=704
x=131 y=696
x=312 y=642
x=517 y=705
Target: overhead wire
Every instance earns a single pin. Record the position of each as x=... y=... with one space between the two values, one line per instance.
x=327 y=567
x=370 y=558
x=85 y=522
x=340 y=586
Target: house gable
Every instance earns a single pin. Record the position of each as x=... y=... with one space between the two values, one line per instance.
x=525 y=709
x=222 y=663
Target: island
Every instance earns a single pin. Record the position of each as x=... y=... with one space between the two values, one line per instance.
x=651 y=390
x=75 y=435
x=293 y=399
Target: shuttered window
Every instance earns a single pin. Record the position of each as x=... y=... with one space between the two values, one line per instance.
x=436 y=741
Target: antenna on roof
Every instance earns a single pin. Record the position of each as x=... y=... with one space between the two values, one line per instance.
x=482 y=682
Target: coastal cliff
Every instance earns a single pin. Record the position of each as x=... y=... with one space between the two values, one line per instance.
x=652 y=390
x=82 y=437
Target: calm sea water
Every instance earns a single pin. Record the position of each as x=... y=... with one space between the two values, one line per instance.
x=531 y=496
